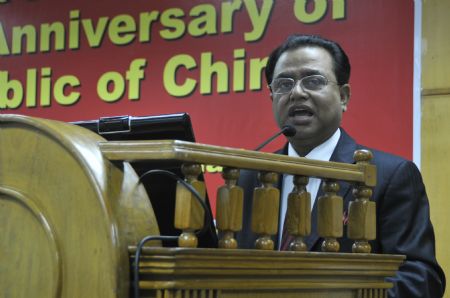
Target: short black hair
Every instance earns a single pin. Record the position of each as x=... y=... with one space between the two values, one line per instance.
x=341 y=63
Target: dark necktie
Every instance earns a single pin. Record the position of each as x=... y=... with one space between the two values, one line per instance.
x=286 y=239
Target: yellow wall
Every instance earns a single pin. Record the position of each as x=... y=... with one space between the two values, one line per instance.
x=436 y=121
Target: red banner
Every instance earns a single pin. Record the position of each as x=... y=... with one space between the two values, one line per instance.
x=76 y=60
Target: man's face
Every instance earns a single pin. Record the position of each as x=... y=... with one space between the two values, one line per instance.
x=315 y=114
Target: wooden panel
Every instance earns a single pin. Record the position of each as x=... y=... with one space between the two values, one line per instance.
x=289 y=294
x=436 y=170
x=184 y=294
x=435 y=45
x=435 y=121
x=257 y=273
x=264 y=294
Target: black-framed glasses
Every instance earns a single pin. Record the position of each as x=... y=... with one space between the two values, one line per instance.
x=309 y=83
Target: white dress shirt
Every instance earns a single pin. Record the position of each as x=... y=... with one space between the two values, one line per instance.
x=322 y=152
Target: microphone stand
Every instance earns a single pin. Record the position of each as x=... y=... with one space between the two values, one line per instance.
x=287 y=130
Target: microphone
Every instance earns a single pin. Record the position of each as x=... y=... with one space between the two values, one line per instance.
x=287 y=130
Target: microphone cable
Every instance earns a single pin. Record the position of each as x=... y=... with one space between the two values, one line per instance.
x=206 y=225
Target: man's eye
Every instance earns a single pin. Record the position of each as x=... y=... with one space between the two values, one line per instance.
x=285 y=85
x=314 y=82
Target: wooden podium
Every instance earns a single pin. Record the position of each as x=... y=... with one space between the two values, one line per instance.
x=72 y=211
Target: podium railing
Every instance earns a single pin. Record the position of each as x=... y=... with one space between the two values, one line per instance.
x=361 y=224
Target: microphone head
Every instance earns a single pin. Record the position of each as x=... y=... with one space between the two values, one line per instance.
x=289 y=130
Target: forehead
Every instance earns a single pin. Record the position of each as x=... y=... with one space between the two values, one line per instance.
x=303 y=61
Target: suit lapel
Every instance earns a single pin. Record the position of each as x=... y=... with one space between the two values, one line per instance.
x=343 y=152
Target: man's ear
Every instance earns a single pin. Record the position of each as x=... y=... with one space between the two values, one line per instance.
x=344 y=93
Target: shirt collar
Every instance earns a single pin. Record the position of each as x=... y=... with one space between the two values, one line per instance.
x=323 y=151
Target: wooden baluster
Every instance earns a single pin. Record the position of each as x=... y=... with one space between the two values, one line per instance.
x=189 y=214
x=265 y=210
x=298 y=215
x=330 y=209
x=362 y=211
x=230 y=200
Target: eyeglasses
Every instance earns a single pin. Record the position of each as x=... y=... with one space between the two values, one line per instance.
x=309 y=83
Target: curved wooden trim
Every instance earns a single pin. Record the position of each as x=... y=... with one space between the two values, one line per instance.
x=39 y=213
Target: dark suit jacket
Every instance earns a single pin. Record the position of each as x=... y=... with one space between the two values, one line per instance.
x=403 y=220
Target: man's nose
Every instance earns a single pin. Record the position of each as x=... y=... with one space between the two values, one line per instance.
x=298 y=92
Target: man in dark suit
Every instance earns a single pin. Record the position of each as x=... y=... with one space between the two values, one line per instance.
x=308 y=78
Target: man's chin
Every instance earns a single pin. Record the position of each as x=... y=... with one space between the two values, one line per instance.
x=304 y=132
x=306 y=135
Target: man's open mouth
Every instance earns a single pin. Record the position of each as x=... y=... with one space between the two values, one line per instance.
x=301 y=111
